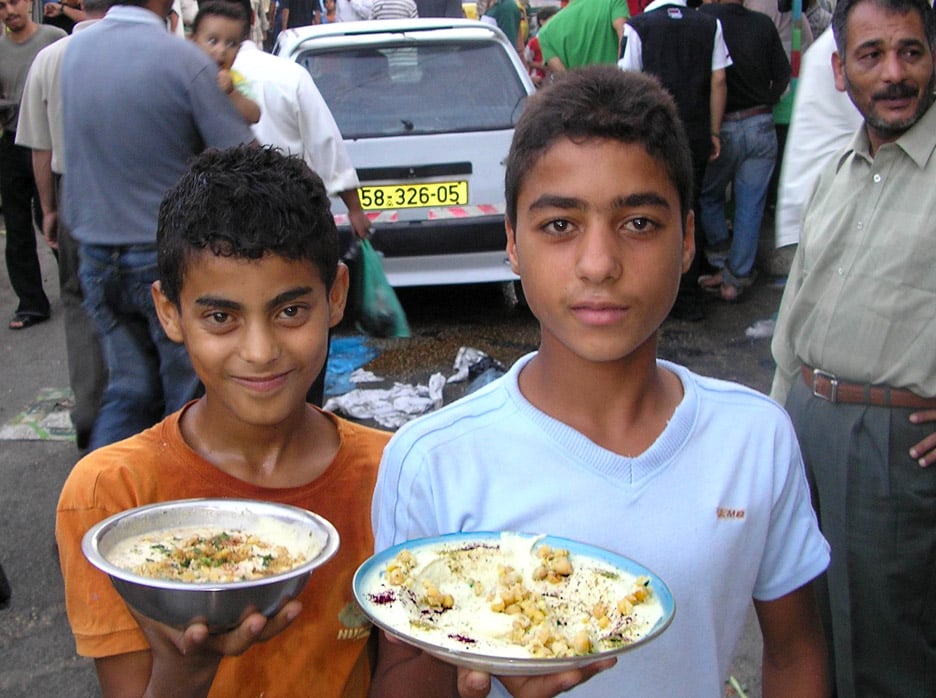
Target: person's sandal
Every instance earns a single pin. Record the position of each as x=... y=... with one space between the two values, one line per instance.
x=730 y=293
x=711 y=283
x=22 y=321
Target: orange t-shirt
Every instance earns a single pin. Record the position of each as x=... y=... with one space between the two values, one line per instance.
x=323 y=652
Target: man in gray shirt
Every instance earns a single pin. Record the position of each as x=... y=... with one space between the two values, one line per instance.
x=138 y=103
x=24 y=39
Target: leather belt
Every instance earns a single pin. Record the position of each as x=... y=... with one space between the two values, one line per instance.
x=828 y=387
x=747 y=113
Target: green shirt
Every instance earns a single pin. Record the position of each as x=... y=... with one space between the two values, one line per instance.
x=583 y=33
x=507 y=15
x=860 y=300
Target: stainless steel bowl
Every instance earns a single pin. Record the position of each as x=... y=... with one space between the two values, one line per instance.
x=221 y=606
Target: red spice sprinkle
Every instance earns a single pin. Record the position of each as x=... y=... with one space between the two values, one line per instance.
x=383 y=598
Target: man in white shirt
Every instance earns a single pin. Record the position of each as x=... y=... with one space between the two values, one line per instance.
x=295 y=117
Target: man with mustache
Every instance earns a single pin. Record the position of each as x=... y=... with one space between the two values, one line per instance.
x=854 y=346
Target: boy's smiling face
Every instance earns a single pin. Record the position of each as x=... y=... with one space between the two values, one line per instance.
x=256 y=332
x=221 y=38
x=600 y=244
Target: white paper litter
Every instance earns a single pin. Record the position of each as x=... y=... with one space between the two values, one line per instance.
x=393 y=407
x=359 y=375
x=464 y=360
x=761 y=329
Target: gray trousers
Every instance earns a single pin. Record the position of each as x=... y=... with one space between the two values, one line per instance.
x=877 y=508
x=87 y=374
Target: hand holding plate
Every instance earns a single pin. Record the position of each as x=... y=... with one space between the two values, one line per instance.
x=477 y=684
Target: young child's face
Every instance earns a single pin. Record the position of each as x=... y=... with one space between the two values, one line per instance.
x=220 y=37
x=255 y=330
x=600 y=244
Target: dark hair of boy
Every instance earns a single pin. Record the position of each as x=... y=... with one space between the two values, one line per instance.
x=245 y=202
x=222 y=8
x=923 y=7
x=600 y=102
x=544 y=14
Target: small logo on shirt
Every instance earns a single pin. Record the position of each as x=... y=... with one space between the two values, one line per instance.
x=356 y=625
x=726 y=513
x=674 y=13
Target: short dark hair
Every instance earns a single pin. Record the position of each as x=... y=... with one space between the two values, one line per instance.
x=244 y=202
x=223 y=8
x=600 y=102
x=544 y=14
x=844 y=7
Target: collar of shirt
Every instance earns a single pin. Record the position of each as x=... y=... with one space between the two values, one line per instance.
x=660 y=3
x=918 y=142
x=134 y=14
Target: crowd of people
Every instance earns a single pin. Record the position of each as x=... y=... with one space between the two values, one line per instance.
x=184 y=185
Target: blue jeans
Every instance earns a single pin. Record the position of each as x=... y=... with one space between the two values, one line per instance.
x=149 y=375
x=748 y=155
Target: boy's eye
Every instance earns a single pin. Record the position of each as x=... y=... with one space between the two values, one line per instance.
x=640 y=225
x=557 y=226
x=293 y=313
x=218 y=317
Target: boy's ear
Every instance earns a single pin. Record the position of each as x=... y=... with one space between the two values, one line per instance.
x=168 y=313
x=338 y=295
x=688 y=246
x=512 y=247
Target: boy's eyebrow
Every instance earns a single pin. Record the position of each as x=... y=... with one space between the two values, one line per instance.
x=217 y=302
x=631 y=200
x=284 y=297
x=290 y=295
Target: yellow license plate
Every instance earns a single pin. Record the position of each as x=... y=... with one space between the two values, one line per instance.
x=414 y=195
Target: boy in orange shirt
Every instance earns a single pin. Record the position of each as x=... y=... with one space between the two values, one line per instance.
x=250 y=282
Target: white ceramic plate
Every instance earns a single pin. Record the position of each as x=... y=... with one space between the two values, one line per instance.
x=375 y=595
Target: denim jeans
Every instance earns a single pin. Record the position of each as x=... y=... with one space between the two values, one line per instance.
x=149 y=376
x=748 y=155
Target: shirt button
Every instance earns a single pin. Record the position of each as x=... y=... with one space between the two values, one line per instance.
x=876 y=178
x=841 y=272
x=860 y=225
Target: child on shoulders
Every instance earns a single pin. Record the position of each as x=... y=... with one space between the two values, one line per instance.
x=219 y=28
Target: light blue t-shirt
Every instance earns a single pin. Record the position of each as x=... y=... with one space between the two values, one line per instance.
x=718 y=506
x=138 y=104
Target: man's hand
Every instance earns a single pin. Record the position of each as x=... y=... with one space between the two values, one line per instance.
x=924 y=452
x=477 y=684
x=360 y=223
x=50 y=228
x=716 y=147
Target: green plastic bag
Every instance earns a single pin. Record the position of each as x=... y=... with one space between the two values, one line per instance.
x=378 y=311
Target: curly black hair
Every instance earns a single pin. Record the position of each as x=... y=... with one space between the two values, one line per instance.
x=245 y=202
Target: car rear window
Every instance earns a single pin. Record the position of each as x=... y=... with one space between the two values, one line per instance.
x=410 y=89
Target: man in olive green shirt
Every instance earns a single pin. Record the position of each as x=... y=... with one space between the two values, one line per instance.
x=855 y=346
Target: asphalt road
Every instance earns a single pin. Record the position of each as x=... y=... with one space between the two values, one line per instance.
x=36 y=651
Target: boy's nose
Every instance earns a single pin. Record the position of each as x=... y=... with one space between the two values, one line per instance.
x=259 y=345
x=598 y=259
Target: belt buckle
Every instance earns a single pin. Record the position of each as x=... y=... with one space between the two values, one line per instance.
x=833 y=382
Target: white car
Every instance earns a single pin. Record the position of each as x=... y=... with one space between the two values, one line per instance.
x=427 y=109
